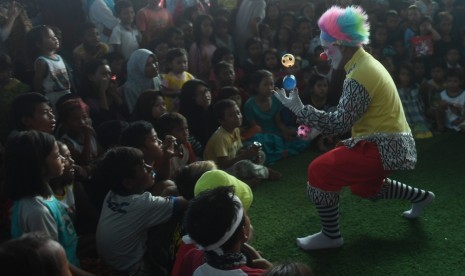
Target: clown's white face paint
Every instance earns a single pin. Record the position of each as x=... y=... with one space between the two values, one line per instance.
x=333 y=53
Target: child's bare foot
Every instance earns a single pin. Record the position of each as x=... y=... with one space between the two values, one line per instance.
x=274 y=175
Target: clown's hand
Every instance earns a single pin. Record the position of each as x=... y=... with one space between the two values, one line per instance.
x=292 y=101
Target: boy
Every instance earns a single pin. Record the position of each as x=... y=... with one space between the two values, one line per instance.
x=125 y=38
x=157 y=153
x=129 y=211
x=434 y=86
x=450 y=112
x=90 y=48
x=225 y=147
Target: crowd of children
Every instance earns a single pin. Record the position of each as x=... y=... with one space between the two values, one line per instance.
x=118 y=110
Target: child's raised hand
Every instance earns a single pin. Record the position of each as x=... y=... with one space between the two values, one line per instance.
x=168 y=146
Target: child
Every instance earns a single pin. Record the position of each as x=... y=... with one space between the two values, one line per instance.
x=223 y=37
x=125 y=38
x=143 y=72
x=177 y=75
x=174 y=36
x=201 y=51
x=51 y=76
x=451 y=112
x=101 y=13
x=221 y=242
x=160 y=48
x=34 y=254
x=157 y=153
x=225 y=146
x=10 y=87
x=225 y=76
x=434 y=86
x=31 y=111
x=298 y=49
x=254 y=50
x=422 y=44
x=266 y=35
x=175 y=124
x=152 y=21
x=149 y=107
x=453 y=58
x=412 y=103
x=35 y=208
x=282 y=38
x=77 y=132
x=90 y=47
x=129 y=212
x=413 y=29
x=262 y=109
x=271 y=62
x=224 y=54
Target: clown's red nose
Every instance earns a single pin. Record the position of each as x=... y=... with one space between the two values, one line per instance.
x=323 y=56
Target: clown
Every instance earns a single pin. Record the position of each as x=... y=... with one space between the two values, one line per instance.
x=381 y=139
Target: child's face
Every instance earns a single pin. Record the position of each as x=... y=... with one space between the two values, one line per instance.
x=283 y=36
x=304 y=31
x=229 y=58
x=49 y=41
x=187 y=29
x=437 y=74
x=419 y=70
x=159 y=108
x=203 y=96
x=143 y=178
x=77 y=121
x=232 y=118
x=227 y=76
x=179 y=64
x=54 y=163
x=161 y=49
x=207 y=28
x=453 y=84
x=413 y=16
x=222 y=31
x=255 y=50
x=151 y=67
x=271 y=61
x=153 y=147
x=272 y=12
x=177 y=41
x=425 y=28
x=116 y=66
x=266 y=86
x=392 y=22
x=321 y=88
x=42 y=119
x=404 y=77
x=181 y=132
x=91 y=38
x=445 y=27
x=103 y=74
x=308 y=11
x=381 y=36
x=297 y=48
x=68 y=161
x=453 y=56
x=127 y=16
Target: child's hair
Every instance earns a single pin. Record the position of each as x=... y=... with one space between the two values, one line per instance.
x=220 y=66
x=24 y=105
x=314 y=79
x=408 y=67
x=34 y=40
x=221 y=106
x=187 y=176
x=89 y=69
x=221 y=21
x=251 y=41
x=65 y=108
x=85 y=27
x=289 y=268
x=219 y=54
x=135 y=133
x=278 y=31
x=143 y=108
x=227 y=92
x=218 y=206
x=188 y=95
x=174 y=53
x=116 y=165
x=5 y=62
x=30 y=255
x=25 y=158
x=121 y=5
x=109 y=133
x=171 y=32
x=197 y=31
x=169 y=121
x=257 y=78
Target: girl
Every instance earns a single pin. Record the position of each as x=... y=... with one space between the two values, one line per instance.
x=222 y=34
x=176 y=125
x=35 y=208
x=99 y=91
x=412 y=103
x=142 y=75
x=254 y=51
x=51 y=77
x=149 y=107
x=298 y=49
x=175 y=38
x=271 y=62
x=282 y=38
x=195 y=105
x=201 y=51
x=264 y=110
x=177 y=75
x=77 y=132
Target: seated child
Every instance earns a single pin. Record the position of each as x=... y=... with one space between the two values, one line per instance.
x=226 y=149
x=223 y=241
x=451 y=110
x=175 y=124
x=129 y=211
x=157 y=153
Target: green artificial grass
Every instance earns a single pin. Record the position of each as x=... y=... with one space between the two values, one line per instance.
x=377 y=239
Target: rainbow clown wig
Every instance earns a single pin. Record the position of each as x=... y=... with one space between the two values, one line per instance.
x=345 y=26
